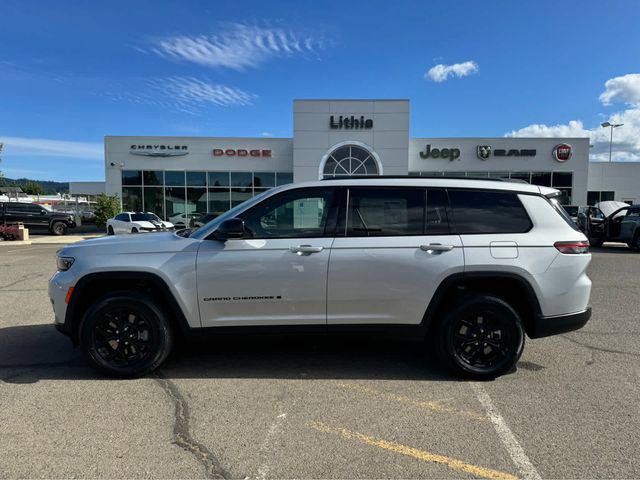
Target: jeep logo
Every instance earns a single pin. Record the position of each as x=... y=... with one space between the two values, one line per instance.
x=449 y=153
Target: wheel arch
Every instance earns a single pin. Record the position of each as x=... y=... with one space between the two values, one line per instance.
x=510 y=287
x=95 y=285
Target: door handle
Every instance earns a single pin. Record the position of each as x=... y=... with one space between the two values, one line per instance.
x=305 y=249
x=436 y=247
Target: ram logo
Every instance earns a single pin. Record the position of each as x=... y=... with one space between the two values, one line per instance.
x=483 y=151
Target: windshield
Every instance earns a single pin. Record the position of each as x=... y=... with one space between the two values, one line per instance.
x=144 y=217
x=211 y=226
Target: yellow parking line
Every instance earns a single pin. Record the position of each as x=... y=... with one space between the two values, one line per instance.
x=430 y=405
x=452 y=463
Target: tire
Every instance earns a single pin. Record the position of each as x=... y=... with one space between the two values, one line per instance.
x=596 y=242
x=59 y=228
x=460 y=335
x=134 y=230
x=635 y=244
x=125 y=335
x=110 y=230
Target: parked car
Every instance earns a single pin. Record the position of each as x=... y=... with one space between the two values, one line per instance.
x=613 y=221
x=137 y=222
x=466 y=267
x=35 y=216
x=184 y=220
x=202 y=220
x=575 y=212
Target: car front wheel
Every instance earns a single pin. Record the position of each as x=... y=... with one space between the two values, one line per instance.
x=59 y=228
x=481 y=337
x=125 y=335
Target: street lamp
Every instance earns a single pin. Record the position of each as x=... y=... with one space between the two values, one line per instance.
x=612 y=125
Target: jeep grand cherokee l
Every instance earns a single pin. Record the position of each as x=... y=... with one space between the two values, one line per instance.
x=468 y=267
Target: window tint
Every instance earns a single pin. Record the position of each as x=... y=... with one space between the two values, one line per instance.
x=385 y=212
x=477 y=211
x=123 y=217
x=16 y=207
x=296 y=214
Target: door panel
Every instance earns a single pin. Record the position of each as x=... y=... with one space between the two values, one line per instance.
x=386 y=268
x=388 y=279
x=262 y=282
x=277 y=274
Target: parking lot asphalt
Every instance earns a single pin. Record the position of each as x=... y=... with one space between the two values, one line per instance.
x=320 y=408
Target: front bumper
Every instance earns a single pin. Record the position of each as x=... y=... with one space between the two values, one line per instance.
x=546 y=326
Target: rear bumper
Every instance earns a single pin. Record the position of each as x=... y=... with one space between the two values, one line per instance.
x=546 y=326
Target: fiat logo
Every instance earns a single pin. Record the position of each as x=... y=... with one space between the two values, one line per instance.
x=562 y=152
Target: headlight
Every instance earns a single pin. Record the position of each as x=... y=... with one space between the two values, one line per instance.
x=64 y=263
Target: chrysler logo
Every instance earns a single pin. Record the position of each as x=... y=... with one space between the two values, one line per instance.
x=562 y=152
x=159 y=150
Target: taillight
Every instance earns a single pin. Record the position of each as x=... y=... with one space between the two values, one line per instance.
x=572 y=247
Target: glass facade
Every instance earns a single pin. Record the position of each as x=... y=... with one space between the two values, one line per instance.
x=562 y=181
x=594 y=197
x=170 y=193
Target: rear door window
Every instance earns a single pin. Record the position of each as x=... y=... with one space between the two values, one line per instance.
x=481 y=211
x=375 y=212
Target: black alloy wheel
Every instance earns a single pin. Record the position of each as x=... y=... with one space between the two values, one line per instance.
x=59 y=228
x=481 y=338
x=134 y=230
x=110 y=230
x=125 y=335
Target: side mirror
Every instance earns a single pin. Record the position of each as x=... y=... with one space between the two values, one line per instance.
x=43 y=212
x=230 y=229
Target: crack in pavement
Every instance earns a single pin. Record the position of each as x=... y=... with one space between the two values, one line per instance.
x=29 y=276
x=600 y=349
x=181 y=431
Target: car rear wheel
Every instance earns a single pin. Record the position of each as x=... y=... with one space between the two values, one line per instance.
x=595 y=242
x=110 y=230
x=59 y=228
x=125 y=335
x=481 y=337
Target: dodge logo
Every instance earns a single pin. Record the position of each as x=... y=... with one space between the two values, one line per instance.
x=562 y=152
x=483 y=151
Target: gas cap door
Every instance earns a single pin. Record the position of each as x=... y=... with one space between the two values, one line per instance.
x=504 y=249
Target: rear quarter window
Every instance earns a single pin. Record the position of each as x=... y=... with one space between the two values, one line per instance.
x=479 y=211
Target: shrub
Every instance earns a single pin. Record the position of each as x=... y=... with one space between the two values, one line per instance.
x=106 y=207
x=9 y=233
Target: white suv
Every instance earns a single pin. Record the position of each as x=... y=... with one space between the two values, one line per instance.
x=466 y=266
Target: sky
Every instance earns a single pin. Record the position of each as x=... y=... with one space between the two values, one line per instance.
x=74 y=72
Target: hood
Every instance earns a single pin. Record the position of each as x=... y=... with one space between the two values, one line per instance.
x=610 y=206
x=161 y=242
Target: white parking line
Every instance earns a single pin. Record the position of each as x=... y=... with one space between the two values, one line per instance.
x=522 y=462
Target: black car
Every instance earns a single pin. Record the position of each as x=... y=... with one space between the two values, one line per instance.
x=35 y=216
x=612 y=221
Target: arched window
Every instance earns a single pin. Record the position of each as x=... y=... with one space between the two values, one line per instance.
x=350 y=160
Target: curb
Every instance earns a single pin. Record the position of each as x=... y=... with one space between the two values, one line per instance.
x=13 y=243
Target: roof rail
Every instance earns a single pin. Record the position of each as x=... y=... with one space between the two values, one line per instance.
x=409 y=177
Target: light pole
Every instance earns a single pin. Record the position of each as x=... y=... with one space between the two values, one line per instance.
x=612 y=125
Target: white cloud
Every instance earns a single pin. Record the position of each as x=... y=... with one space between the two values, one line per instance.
x=52 y=148
x=266 y=134
x=190 y=94
x=238 y=47
x=442 y=72
x=626 y=139
x=622 y=89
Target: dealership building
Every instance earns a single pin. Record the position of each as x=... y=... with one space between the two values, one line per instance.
x=338 y=138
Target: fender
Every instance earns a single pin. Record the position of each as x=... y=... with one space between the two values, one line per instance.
x=73 y=318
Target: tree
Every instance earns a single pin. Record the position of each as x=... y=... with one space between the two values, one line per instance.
x=107 y=206
x=31 y=187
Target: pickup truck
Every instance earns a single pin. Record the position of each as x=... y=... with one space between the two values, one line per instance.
x=35 y=216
